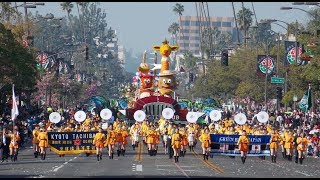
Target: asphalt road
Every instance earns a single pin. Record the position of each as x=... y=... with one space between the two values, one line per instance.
x=139 y=164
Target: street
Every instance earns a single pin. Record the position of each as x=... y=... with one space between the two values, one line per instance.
x=139 y=164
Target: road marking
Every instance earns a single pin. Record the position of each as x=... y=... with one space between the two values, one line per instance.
x=139 y=152
x=181 y=170
x=288 y=169
x=139 y=167
x=209 y=164
x=303 y=173
x=59 y=167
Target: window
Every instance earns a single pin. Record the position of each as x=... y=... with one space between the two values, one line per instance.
x=185 y=44
x=185 y=30
x=185 y=23
x=184 y=38
x=216 y=24
x=194 y=31
x=194 y=38
x=226 y=24
x=195 y=23
x=194 y=45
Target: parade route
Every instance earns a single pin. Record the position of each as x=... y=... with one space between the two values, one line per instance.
x=139 y=164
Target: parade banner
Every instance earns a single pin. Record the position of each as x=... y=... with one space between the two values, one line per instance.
x=222 y=144
x=262 y=67
x=290 y=53
x=71 y=142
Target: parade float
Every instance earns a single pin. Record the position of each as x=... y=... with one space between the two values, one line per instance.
x=154 y=91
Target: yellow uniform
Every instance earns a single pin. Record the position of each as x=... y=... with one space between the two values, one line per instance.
x=99 y=139
x=302 y=144
x=35 y=133
x=205 y=140
x=111 y=138
x=243 y=143
x=43 y=139
x=274 y=141
x=176 y=141
x=14 y=141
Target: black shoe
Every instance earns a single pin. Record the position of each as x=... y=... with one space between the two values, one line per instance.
x=274 y=159
x=118 y=152
x=283 y=155
x=207 y=157
x=123 y=152
x=242 y=159
x=177 y=158
x=11 y=157
x=35 y=154
x=98 y=157
x=44 y=156
x=190 y=148
x=155 y=152
x=15 y=157
x=111 y=155
x=300 y=160
x=204 y=157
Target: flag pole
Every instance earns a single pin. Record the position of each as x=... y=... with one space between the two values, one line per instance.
x=12 y=113
x=305 y=114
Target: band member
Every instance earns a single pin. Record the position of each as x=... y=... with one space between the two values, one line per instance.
x=288 y=145
x=295 y=146
x=165 y=141
x=111 y=140
x=135 y=132
x=274 y=145
x=170 y=133
x=118 y=143
x=184 y=142
x=151 y=141
x=124 y=134
x=282 y=141
x=176 y=144
x=191 y=139
x=13 y=146
x=205 y=143
x=43 y=142
x=302 y=142
x=98 y=141
x=243 y=144
x=35 y=141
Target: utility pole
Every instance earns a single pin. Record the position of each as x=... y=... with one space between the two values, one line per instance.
x=266 y=77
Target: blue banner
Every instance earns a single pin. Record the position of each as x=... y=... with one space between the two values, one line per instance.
x=223 y=144
x=233 y=139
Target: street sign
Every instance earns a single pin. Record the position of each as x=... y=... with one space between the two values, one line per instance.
x=277 y=80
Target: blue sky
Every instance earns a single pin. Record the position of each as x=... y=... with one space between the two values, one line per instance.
x=140 y=25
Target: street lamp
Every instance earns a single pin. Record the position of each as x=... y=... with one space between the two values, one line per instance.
x=289 y=8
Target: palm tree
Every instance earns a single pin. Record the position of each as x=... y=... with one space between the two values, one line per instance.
x=179 y=9
x=80 y=17
x=83 y=6
x=173 y=29
x=244 y=20
x=67 y=6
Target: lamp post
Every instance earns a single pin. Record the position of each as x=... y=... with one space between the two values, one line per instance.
x=295 y=99
x=289 y=8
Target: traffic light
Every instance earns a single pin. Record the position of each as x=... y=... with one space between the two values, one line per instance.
x=279 y=92
x=87 y=52
x=224 y=58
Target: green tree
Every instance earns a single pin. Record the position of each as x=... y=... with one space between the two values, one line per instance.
x=244 y=20
x=179 y=9
x=174 y=29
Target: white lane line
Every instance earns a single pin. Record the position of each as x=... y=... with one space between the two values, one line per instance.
x=183 y=172
x=303 y=173
x=59 y=167
x=139 y=167
x=287 y=169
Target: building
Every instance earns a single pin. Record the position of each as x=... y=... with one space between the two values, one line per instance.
x=191 y=32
